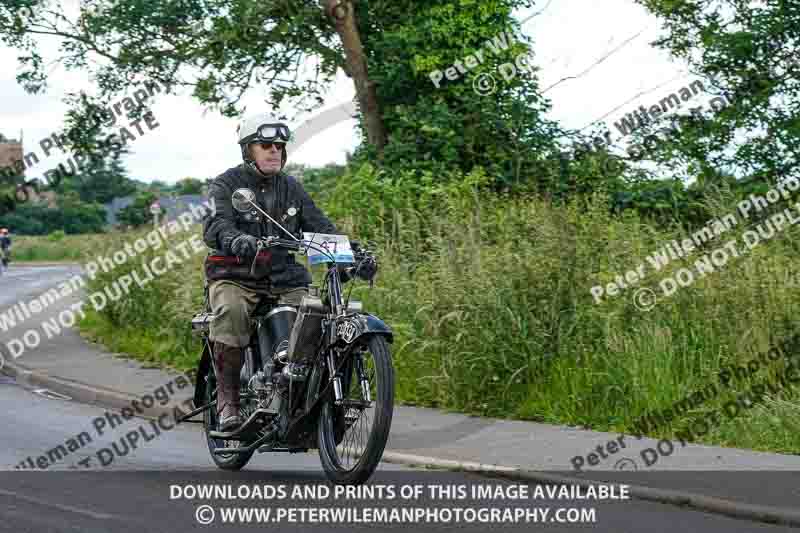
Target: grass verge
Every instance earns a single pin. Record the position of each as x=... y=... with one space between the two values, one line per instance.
x=490 y=300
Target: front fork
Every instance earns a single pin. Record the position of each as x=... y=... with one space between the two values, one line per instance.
x=337 y=378
x=362 y=378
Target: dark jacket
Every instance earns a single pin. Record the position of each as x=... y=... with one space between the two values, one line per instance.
x=276 y=196
x=5 y=242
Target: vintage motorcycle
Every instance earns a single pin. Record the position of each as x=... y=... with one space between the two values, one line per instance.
x=315 y=376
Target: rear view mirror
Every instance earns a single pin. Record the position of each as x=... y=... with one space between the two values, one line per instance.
x=243 y=200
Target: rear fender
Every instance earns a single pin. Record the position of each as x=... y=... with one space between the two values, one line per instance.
x=203 y=368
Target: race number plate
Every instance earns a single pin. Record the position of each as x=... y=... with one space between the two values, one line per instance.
x=337 y=245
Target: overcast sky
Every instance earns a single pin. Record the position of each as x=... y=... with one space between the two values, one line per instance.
x=569 y=35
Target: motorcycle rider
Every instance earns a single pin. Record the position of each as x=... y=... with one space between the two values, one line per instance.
x=5 y=245
x=233 y=293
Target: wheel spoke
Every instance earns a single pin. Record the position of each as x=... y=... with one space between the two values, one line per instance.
x=361 y=434
x=358 y=428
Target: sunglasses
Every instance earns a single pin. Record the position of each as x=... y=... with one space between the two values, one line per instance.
x=268 y=145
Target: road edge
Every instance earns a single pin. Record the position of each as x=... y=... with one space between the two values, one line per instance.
x=735 y=509
x=83 y=392
x=110 y=398
x=55 y=262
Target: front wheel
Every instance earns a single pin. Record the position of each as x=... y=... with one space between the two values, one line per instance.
x=351 y=437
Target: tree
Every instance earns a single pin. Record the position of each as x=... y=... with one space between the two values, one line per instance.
x=14 y=187
x=70 y=215
x=222 y=48
x=228 y=45
x=189 y=186
x=745 y=54
x=159 y=187
x=94 y=170
x=100 y=181
x=437 y=124
x=14 y=191
x=80 y=217
x=319 y=181
x=138 y=213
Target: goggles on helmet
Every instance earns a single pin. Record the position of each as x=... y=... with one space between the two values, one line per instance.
x=270 y=133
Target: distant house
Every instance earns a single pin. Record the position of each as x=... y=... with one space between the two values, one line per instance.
x=11 y=158
x=171 y=206
x=12 y=167
x=28 y=193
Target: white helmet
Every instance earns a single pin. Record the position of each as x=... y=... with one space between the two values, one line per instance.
x=262 y=127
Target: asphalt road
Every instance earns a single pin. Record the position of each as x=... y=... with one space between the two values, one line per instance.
x=138 y=490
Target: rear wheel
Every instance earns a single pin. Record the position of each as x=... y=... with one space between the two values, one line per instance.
x=351 y=437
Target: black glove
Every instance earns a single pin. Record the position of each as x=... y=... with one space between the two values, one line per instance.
x=367 y=268
x=244 y=245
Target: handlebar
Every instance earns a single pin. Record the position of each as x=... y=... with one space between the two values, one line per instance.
x=272 y=242
x=361 y=255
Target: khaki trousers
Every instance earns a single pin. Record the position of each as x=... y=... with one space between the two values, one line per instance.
x=233 y=305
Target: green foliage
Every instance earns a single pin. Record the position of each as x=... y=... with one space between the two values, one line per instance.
x=70 y=216
x=56 y=236
x=438 y=130
x=138 y=213
x=73 y=248
x=746 y=52
x=12 y=189
x=430 y=130
x=189 y=186
x=151 y=322
x=27 y=220
x=168 y=39
x=8 y=199
x=316 y=181
x=158 y=187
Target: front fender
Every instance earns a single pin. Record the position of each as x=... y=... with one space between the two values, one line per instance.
x=362 y=324
x=351 y=327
